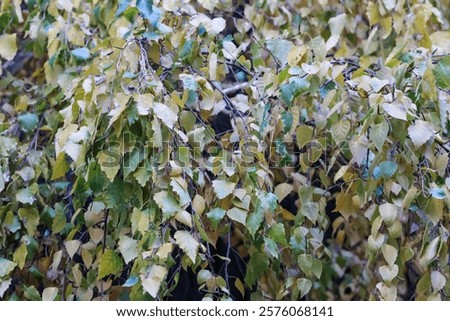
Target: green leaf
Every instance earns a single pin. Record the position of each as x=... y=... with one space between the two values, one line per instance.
x=31 y=293
x=61 y=167
x=81 y=53
x=278 y=234
x=430 y=252
x=167 y=203
x=390 y=254
x=268 y=201
x=304 y=285
x=310 y=210
x=441 y=72
x=139 y=221
x=215 y=216
x=97 y=180
x=131 y=161
x=25 y=196
x=304 y=135
x=271 y=247
x=254 y=221
x=143 y=174
x=316 y=268
x=237 y=214
x=110 y=263
x=295 y=87
x=340 y=130
x=60 y=219
x=179 y=186
x=6 y=266
x=28 y=122
x=305 y=261
x=20 y=254
x=379 y=133
x=257 y=265
x=131 y=13
x=11 y=222
x=30 y=218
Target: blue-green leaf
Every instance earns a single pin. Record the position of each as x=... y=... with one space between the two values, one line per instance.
x=81 y=53
x=145 y=8
x=186 y=50
x=387 y=168
x=438 y=193
x=131 y=281
x=287 y=119
x=123 y=5
x=441 y=72
x=280 y=49
x=28 y=122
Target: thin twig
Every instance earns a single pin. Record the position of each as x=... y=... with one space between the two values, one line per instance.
x=237 y=87
x=228 y=259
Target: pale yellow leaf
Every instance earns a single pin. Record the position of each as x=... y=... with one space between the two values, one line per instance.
x=388 y=273
x=420 y=132
x=8 y=46
x=388 y=212
x=144 y=103
x=389 y=253
x=128 y=248
x=166 y=114
x=72 y=247
x=151 y=281
x=282 y=190
x=223 y=188
x=187 y=243
x=49 y=294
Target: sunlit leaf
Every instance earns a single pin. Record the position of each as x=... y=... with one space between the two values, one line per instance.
x=187 y=243
x=8 y=46
x=110 y=263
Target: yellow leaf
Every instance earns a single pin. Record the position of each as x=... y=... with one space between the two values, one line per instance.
x=198 y=204
x=373 y=14
x=20 y=255
x=8 y=46
x=282 y=190
x=296 y=54
x=430 y=252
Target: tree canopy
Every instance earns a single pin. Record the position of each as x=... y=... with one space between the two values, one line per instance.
x=308 y=138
